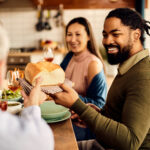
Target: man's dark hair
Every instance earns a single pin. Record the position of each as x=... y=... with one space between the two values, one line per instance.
x=132 y=19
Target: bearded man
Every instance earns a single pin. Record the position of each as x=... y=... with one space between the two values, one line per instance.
x=124 y=121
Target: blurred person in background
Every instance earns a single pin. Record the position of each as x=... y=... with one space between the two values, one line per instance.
x=124 y=122
x=29 y=130
x=84 y=66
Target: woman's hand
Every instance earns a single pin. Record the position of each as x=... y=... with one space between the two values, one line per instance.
x=36 y=96
x=67 y=97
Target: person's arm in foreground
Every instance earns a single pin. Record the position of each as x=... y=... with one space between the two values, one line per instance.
x=28 y=131
x=126 y=135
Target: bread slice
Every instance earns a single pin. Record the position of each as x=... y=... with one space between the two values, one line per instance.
x=51 y=74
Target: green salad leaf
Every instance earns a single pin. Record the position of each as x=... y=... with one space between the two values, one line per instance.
x=9 y=94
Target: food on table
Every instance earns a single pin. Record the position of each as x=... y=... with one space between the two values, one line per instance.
x=51 y=74
x=9 y=94
x=11 y=103
x=3 y=105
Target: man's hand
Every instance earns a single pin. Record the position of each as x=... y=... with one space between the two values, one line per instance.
x=36 y=96
x=67 y=97
x=94 y=106
x=77 y=121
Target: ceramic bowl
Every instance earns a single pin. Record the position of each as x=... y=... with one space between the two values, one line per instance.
x=50 y=110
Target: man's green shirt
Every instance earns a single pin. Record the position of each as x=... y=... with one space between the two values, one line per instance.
x=124 y=122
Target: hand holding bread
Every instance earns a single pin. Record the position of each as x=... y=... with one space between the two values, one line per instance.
x=36 y=96
x=67 y=97
x=52 y=77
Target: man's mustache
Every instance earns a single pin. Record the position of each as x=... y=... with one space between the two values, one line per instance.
x=112 y=46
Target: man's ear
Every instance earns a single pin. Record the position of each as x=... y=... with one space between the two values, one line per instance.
x=137 y=34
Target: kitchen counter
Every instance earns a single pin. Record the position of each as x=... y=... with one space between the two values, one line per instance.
x=36 y=52
x=34 y=56
x=24 y=53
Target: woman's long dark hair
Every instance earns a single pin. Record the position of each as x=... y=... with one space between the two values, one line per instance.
x=91 y=45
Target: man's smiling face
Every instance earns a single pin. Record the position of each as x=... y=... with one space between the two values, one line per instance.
x=117 y=40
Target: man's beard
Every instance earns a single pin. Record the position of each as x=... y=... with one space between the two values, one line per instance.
x=119 y=57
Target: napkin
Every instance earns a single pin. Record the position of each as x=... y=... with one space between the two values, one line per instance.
x=27 y=87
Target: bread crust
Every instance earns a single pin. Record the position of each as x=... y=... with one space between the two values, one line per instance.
x=33 y=69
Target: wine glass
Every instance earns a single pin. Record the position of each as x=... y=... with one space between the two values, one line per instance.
x=48 y=54
x=12 y=76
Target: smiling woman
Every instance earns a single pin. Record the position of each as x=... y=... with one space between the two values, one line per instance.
x=77 y=38
x=83 y=65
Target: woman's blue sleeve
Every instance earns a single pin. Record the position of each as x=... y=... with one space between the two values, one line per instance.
x=97 y=90
x=66 y=60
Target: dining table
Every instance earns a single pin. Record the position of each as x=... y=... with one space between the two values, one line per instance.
x=64 y=135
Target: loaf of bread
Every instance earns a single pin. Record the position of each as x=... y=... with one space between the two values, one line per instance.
x=51 y=74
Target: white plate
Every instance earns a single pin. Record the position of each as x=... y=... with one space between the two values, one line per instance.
x=14 y=107
x=13 y=99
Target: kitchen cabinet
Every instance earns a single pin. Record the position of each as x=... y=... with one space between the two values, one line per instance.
x=104 y=3
x=81 y=4
x=17 y=61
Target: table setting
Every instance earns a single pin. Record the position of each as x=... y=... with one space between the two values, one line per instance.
x=56 y=116
x=10 y=96
x=12 y=101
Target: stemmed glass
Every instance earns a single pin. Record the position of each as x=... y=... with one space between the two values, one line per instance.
x=11 y=77
x=48 y=54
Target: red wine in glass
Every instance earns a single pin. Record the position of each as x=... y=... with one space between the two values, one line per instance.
x=12 y=76
x=49 y=59
x=48 y=54
x=13 y=88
